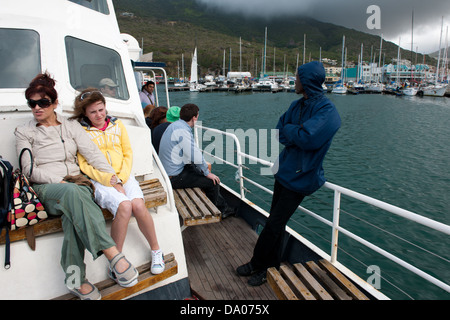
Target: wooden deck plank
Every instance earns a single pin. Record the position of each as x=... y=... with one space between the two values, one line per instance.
x=279 y=285
x=201 y=206
x=220 y=248
x=208 y=203
x=313 y=285
x=298 y=286
x=341 y=280
x=190 y=206
x=332 y=287
x=195 y=208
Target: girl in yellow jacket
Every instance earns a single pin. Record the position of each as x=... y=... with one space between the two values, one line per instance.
x=125 y=197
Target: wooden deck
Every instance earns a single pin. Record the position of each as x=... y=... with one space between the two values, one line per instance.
x=213 y=252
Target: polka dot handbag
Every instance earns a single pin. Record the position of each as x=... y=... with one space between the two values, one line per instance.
x=26 y=209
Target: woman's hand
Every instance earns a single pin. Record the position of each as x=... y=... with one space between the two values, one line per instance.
x=119 y=187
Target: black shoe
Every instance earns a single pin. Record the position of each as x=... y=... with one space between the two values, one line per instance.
x=258 y=278
x=228 y=213
x=246 y=270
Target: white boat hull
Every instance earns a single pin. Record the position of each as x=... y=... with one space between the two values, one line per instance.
x=339 y=90
x=434 y=91
x=410 y=91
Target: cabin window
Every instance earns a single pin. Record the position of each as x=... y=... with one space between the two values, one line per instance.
x=20 y=59
x=90 y=64
x=97 y=5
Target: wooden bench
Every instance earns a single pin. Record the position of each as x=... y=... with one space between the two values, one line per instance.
x=110 y=290
x=195 y=208
x=312 y=281
x=154 y=196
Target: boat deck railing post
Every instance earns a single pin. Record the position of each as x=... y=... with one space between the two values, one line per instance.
x=335 y=232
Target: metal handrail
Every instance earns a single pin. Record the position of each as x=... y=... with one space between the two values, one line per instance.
x=336 y=228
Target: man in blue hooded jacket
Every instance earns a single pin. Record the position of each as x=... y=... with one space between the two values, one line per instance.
x=306 y=130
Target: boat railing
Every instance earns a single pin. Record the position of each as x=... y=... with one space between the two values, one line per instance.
x=334 y=224
x=152 y=69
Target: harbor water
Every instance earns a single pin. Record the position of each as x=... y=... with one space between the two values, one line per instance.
x=394 y=149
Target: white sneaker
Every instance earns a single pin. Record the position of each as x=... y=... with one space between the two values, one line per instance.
x=158 y=265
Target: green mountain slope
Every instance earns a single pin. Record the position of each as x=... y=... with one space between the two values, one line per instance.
x=170 y=28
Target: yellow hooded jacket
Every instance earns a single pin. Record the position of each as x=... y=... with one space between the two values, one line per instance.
x=115 y=146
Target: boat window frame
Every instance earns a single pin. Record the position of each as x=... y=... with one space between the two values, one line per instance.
x=115 y=71
x=100 y=5
x=34 y=53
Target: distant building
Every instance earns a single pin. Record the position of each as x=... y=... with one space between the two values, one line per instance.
x=127 y=14
x=148 y=57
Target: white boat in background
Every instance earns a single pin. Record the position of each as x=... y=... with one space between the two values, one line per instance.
x=265 y=84
x=434 y=90
x=181 y=84
x=410 y=91
x=375 y=87
x=339 y=89
x=194 y=85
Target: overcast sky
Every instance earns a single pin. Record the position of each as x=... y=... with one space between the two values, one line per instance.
x=395 y=16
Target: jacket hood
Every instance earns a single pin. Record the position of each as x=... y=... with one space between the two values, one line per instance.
x=312 y=76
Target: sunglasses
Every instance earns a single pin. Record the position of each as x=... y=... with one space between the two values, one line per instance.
x=87 y=94
x=42 y=103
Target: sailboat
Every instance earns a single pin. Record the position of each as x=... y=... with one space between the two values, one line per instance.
x=376 y=86
x=340 y=87
x=181 y=83
x=194 y=86
x=437 y=89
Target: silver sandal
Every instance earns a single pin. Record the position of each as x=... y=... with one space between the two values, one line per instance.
x=126 y=279
x=94 y=294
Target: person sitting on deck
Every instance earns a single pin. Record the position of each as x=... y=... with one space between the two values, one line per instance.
x=172 y=115
x=125 y=196
x=184 y=162
x=54 y=142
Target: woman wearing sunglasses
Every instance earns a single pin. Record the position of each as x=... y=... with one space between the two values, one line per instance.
x=125 y=197
x=55 y=142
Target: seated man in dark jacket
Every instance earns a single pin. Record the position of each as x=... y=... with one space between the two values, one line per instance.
x=306 y=130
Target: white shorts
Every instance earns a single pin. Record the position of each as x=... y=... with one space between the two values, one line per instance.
x=109 y=198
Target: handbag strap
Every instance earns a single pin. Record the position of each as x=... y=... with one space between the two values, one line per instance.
x=20 y=160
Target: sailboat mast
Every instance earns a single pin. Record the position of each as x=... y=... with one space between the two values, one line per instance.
x=439 y=58
x=343 y=54
x=224 y=62
x=265 y=51
x=379 y=58
x=182 y=66
x=412 y=43
x=240 y=54
x=304 y=48
x=398 y=61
